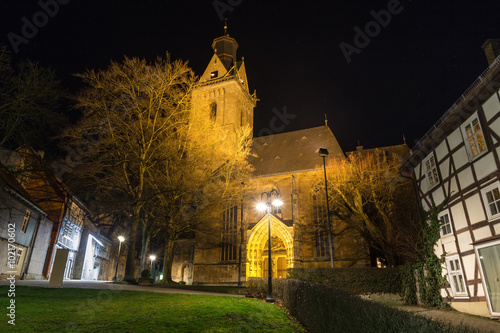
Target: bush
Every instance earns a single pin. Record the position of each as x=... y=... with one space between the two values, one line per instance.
x=145 y=274
x=323 y=308
x=354 y=280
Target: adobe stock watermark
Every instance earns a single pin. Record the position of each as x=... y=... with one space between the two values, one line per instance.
x=372 y=29
x=11 y=263
x=222 y=7
x=30 y=27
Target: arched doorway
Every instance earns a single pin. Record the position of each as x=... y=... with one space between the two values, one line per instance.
x=281 y=249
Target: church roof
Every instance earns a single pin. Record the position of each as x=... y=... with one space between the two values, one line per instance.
x=293 y=151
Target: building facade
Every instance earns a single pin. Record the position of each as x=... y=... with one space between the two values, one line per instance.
x=287 y=163
x=459 y=160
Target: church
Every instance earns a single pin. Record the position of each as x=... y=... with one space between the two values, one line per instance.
x=286 y=164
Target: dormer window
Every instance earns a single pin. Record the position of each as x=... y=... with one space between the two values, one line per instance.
x=214 y=74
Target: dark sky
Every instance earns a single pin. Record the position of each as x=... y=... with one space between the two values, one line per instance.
x=400 y=82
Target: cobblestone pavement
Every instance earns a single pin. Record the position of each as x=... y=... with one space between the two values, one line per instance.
x=482 y=324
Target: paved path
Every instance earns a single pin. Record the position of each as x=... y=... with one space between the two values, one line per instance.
x=113 y=286
x=482 y=324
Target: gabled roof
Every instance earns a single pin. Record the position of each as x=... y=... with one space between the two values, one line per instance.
x=12 y=185
x=293 y=151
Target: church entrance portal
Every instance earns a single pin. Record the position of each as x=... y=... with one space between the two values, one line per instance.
x=281 y=249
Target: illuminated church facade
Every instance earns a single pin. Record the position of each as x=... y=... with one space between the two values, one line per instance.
x=288 y=163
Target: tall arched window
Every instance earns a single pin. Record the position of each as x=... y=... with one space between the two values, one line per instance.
x=229 y=233
x=213 y=111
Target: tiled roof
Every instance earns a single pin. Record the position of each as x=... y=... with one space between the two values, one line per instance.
x=293 y=151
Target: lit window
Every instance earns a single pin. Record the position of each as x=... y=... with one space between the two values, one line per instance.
x=445 y=221
x=491 y=197
x=214 y=74
x=473 y=136
x=431 y=171
x=229 y=234
x=242 y=81
x=456 y=276
x=26 y=221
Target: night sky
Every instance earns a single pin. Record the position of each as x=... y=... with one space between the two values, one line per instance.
x=399 y=82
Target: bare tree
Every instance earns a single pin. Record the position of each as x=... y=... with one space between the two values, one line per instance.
x=368 y=193
x=130 y=112
x=30 y=96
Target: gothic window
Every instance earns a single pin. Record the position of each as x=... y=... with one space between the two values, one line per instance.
x=320 y=227
x=473 y=136
x=277 y=211
x=229 y=233
x=213 y=111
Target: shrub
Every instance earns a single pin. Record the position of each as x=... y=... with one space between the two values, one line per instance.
x=322 y=308
x=145 y=274
x=354 y=280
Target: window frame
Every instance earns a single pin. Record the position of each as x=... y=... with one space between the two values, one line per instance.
x=466 y=139
x=450 y=224
x=484 y=192
x=26 y=221
x=456 y=272
x=434 y=170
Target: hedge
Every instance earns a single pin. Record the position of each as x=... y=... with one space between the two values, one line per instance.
x=323 y=308
x=354 y=280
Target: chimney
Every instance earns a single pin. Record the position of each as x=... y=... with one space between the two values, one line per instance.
x=492 y=49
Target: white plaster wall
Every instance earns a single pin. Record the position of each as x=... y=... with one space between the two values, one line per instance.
x=491 y=107
x=465 y=177
x=497 y=228
x=460 y=158
x=475 y=209
x=438 y=195
x=441 y=150
x=465 y=241
x=444 y=167
x=455 y=138
x=453 y=185
x=458 y=216
x=469 y=265
x=417 y=171
x=40 y=248
x=495 y=126
x=450 y=247
x=482 y=233
x=485 y=166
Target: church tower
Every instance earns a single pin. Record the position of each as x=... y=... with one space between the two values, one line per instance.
x=223 y=87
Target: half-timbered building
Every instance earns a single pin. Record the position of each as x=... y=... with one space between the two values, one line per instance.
x=458 y=160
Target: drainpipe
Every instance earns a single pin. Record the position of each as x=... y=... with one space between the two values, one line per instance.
x=241 y=244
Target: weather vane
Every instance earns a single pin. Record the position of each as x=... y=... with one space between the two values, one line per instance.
x=225 y=26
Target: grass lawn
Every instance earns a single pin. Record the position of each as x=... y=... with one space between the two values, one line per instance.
x=89 y=310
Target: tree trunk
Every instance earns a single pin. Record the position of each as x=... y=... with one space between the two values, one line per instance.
x=130 y=266
x=146 y=238
x=168 y=259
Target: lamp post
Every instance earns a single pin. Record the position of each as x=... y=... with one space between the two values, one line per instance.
x=121 y=239
x=152 y=258
x=266 y=203
x=323 y=152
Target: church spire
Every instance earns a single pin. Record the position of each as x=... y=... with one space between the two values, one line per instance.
x=225 y=48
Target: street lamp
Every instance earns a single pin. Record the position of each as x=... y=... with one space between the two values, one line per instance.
x=323 y=152
x=121 y=239
x=266 y=201
x=152 y=258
